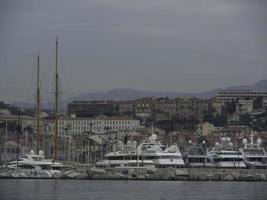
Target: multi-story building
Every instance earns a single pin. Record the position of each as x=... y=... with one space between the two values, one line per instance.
x=229 y=95
x=191 y=107
x=244 y=106
x=100 y=125
x=126 y=108
x=92 y=108
x=165 y=107
x=144 y=107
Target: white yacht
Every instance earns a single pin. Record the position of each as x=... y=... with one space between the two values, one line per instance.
x=149 y=154
x=255 y=156
x=37 y=166
x=223 y=155
x=195 y=156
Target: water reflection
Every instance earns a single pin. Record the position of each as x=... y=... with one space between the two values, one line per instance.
x=130 y=190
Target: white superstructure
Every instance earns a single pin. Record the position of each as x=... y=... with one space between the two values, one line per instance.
x=223 y=155
x=196 y=156
x=150 y=154
x=255 y=156
x=37 y=165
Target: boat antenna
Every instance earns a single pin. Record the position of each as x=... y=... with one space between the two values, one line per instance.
x=152 y=128
x=251 y=137
x=56 y=103
x=38 y=103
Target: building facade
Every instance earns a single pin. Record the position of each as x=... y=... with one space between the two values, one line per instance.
x=99 y=125
x=144 y=107
x=92 y=108
x=187 y=108
x=229 y=95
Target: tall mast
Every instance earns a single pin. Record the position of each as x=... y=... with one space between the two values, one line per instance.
x=18 y=139
x=56 y=102
x=38 y=104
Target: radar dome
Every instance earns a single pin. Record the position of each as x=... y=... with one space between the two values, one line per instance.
x=259 y=141
x=134 y=144
x=217 y=144
x=32 y=152
x=228 y=139
x=153 y=137
x=129 y=143
x=230 y=144
x=41 y=153
x=244 y=141
x=223 y=139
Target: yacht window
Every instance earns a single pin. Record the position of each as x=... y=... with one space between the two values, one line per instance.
x=56 y=168
x=45 y=167
x=37 y=158
x=116 y=158
x=26 y=167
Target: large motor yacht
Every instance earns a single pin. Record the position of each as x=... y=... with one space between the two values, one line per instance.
x=224 y=156
x=255 y=156
x=36 y=165
x=149 y=154
x=196 y=156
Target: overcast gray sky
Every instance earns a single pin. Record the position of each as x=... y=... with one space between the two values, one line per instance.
x=162 y=45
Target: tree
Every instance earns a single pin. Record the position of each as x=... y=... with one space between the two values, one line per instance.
x=220 y=120
x=3 y=105
x=257 y=104
x=245 y=119
x=229 y=107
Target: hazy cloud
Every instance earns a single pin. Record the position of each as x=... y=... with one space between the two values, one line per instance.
x=169 y=45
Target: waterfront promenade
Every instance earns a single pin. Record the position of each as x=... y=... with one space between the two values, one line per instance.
x=174 y=174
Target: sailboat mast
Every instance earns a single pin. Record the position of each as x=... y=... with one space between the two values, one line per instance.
x=18 y=139
x=38 y=104
x=56 y=103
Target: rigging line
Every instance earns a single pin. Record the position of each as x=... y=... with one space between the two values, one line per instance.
x=64 y=80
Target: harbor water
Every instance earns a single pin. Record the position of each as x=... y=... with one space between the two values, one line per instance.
x=30 y=189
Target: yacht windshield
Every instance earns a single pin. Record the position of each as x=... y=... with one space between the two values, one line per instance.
x=37 y=158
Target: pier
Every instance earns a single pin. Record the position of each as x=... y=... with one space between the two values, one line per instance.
x=170 y=174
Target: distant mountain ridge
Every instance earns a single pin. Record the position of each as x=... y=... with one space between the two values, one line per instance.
x=132 y=94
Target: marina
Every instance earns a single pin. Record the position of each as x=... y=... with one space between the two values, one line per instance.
x=133 y=100
x=120 y=157
x=150 y=160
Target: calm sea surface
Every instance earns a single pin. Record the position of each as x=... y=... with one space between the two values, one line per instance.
x=130 y=190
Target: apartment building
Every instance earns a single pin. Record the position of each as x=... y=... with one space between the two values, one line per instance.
x=229 y=95
x=74 y=126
